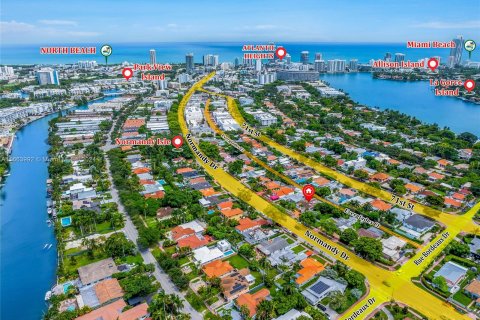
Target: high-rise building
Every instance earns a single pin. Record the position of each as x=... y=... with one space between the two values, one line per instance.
x=189 y=63
x=336 y=65
x=47 y=76
x=455 y=57
x=304 y=57
x=399 y=57
x=153 y=56
x=236 y=62
x=318 y=56
x=388 y=56
x=288 y=58
x=320 y=66
x=87 y=64
x=258 y=65
x=6 y=71
x=353 y=65
x=210 y=60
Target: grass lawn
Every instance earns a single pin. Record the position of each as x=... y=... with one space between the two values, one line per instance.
x=258 y=278
x=309 y=283
x=170 y=250
x=320 y=259
x=82 y=260
x=183 y=260
x=73 y=251
x=298 y=249
x=104 y=227
x=462 y=298
x=289 y=240
x=195 y=301
x=238 y=262
x=132 y=259
x=151 y=222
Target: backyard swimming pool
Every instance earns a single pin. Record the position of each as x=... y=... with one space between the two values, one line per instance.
x=66 y=221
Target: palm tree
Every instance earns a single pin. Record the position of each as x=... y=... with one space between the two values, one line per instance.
x=266 y=310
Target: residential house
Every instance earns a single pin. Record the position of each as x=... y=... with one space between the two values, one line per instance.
x=320 y=289
x=233 y=285
x=97 y=271
x=453 y=274
x=293 y=314
x=251 y=301
x=379 y=177
x=417 y=223
x=380 y=205
x=475 y=248
x=310 y=268
x=217 y=269
x=392 y=247
x=473 y=290
x=114 y=311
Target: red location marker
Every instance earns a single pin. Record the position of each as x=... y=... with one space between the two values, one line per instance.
x=177 y=141
x=308 y=192
x=432 y=64
x=469 y=85
x=281 y=52
x=127 y=73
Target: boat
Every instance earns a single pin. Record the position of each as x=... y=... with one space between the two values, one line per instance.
x=48 y=295
x=45 y=246
x=49 y=246
x=49 y=211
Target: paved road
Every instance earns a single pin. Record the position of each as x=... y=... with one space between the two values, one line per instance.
x=384 y=285
x=131 y=232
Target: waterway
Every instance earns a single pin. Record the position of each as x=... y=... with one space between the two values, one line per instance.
x=27 y=270
x=413 y=98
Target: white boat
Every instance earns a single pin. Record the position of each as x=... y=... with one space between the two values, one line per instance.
x=48 y=295
x=49 y=246
x=45 y=246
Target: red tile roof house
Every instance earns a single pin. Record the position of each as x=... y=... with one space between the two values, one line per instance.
x=449 y=203
x=378 y=204
x=380 y=177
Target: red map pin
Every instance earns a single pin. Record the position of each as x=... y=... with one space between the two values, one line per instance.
x=177 y=141
x=469 y=85
x=308 y=192
x=127 y=73
x=432 y=64
x=281 y=53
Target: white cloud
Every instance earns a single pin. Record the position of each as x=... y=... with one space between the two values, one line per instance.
x=172 y=25
x=449 y=25
x=15 y=27
x=58 y=22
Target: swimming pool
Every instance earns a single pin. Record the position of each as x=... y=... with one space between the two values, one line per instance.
x=66 y=221
x=228 y=253
x=66 y=286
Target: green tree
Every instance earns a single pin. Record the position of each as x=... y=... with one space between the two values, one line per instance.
x=441 y=284
x=137 y=285
x=235 y=167
x=117 y=245
x=348 y=235
x=370 y=248
x=458 y=248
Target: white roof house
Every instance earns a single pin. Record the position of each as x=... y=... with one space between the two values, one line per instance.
x=392 y=247
x=205 y=255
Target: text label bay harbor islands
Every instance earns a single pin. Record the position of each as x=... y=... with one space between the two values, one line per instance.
x=432 y=248
x=327 y=246
x=199 y=153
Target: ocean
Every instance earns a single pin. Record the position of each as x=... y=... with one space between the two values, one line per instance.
x=227 y=51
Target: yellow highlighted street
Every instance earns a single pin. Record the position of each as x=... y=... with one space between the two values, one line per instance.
x=384 y=285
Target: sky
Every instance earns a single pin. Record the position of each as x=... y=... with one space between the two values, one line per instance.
x=56 y=22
